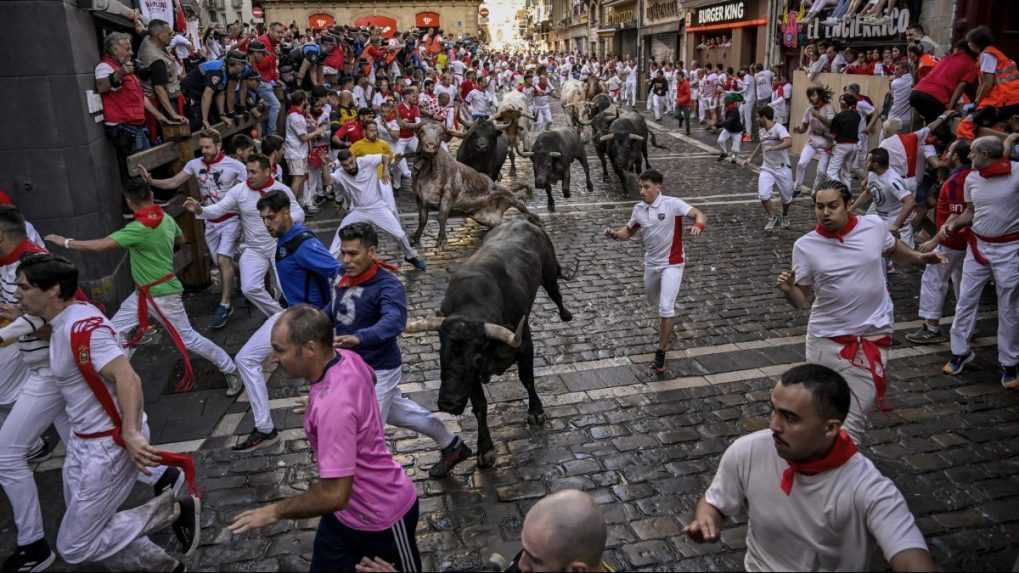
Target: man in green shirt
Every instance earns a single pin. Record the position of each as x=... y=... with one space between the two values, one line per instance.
x=149 y=240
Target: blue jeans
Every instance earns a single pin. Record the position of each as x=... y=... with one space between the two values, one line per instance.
x=266 y=94
x=128 y=138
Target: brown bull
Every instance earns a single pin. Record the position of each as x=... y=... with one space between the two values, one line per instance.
x=443 y=183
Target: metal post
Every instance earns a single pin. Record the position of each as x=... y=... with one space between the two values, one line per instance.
x=641 y=64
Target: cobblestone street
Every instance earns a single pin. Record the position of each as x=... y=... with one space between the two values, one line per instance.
x=645 y=446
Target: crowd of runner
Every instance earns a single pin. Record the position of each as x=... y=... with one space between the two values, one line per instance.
x=337 y=112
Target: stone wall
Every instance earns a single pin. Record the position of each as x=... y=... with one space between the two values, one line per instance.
x=456 y=16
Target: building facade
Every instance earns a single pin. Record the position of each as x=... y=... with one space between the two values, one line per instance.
x=455 y=17
x=731 y=32
x=660 y=31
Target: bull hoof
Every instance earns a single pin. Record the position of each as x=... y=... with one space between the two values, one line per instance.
x=537 y=419
x=566 y=316
x=486 y=459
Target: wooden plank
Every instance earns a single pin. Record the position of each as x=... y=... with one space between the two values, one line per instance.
x=164 y=153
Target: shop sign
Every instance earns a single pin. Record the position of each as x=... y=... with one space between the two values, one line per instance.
x=662 y=9
x=725 y=12
x=855 y=29
x=320 y=21
x=426 y=20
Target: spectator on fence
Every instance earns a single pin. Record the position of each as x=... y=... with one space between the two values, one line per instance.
x=267 y=67
x=941 y=89
x=160 y=76
x=209 y=83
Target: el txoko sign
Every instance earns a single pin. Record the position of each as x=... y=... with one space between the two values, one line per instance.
x=856 y=29
x=725 y=12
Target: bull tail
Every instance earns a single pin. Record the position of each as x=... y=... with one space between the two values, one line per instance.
x=654 y=140
x=573 y=272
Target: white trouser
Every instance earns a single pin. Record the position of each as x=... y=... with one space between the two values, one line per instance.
x=98 y=477
x=934 y=283
x=401 y=411
x=734 y=140
x=380 y=216
x=313 y=186
x=659 y=105
x=249 y=366
x=222 y=237
x=403 y=146
x=544 y=114
x=861 y=153
x=842 y=156
x=661 y=285
x=13 y=373
x=254 y=266
x=39 y=405
x=806 y=154
x=769 y=179
x=386 y=190
x=825 y=352
x=1004 y=268
x=630 y=93
x=172 y=307
x=670 y=99
x=746 y=109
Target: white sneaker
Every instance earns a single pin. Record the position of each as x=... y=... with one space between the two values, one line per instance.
x=771 y=223
x=784 y=221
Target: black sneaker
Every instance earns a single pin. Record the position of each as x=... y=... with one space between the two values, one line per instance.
x=222 y=315
x=958 y=363
x=188 y=525
x=721 y=156
x=171 y=478
x=42 y=452
x=257 y=440
x=36 y=556
x=659 y=365
x=418 y=262
x=1010 y=377
x=451 y=455
x=180 y=567
x=925 y=335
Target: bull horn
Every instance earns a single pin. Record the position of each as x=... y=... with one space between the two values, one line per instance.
x=606 y=138
x=523 y=153
x=463 y=119
x=505 y=335
x=424 y=325
x=636 y=137
x=555 y=154
x=500 y=125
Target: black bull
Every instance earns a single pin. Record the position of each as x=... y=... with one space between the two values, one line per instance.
x=625 y=143
x=484 y=149
x=483 y=327
x=552 y=154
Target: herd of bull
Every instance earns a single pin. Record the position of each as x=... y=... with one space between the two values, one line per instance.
x=483 y=321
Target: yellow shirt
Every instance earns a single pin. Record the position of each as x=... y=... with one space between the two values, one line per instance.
x=363 y=147
x=441 y=60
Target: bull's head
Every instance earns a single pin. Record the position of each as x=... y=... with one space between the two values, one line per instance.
x=430 y=136
x=548 y=167
x=482 y=138
x=465 y=356
x=620 y=143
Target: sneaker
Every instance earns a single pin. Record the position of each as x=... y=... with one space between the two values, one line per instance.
x=256 y=440
x=234 y=386
x=310 y=209
x=36 y=556
x=958 y=363
x=451 y=455
x=925 y=335
x=721 y=156
x=42 y=452
x=659 y=364
x=747 y=138
x=188 y=526
x=180 y=567
x=172 y=478
x=418 y=262
x=1010 y=377
x=221 y=316
x=783 y=221
x=319 y=200
x=772 y=221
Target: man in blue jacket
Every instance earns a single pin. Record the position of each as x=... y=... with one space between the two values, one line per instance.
x=369 y=311
x=305 y=271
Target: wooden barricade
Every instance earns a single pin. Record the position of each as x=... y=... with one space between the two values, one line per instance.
x=874 y=87
x=192 y=262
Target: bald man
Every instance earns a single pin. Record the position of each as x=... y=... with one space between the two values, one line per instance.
x=564 y=531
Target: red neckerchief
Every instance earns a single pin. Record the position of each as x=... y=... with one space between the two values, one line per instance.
x=214 y=161
x=845 y=230
x=150 y=216
x=840 y=452
x=25 y=246
x=997 y=169
x=367 y=275
x=261 y=190
x=294 y=109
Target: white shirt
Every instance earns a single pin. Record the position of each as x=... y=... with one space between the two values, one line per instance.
x=848 y=278
x=774 y=161
x=479 y=102
x=887 y=192
x=763 y=80
x=995 y=202
x=661 y=225
x=458 y=67
x=243 y=200
x=819 y=134
x=181 y=46
x=832 y=521
x=749 y=88
x=865 y=109
x=216 y=179
x=362 y=188
x=85 y=414
x=441 y=89
x=293 y=146
x=901 y=88
x=361 y=96
x=156 y=10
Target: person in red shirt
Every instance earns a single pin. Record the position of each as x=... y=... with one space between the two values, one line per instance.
x=468 y=84
x=353 y=130
x=267 y=66
x=683 y=100
x=952 y=245
x=409 y=117
x=942 y=87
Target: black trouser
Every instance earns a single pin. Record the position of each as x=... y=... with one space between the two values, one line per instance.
x=926 y=105
x=339 y=548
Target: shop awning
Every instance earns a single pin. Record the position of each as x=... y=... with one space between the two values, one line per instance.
x=388 y=25
x=729 y=25
x=426 y=20
x=320 y=21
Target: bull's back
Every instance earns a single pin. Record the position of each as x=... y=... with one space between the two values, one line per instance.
x=513 y=255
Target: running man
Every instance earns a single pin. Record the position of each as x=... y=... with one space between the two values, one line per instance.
x=839 y=267
x=775 y=168
x=661 y=218
x=215 y=173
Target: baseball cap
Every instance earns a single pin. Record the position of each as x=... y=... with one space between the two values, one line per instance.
x=256 y=46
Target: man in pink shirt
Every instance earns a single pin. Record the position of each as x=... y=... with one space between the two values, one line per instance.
x=368 y=505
